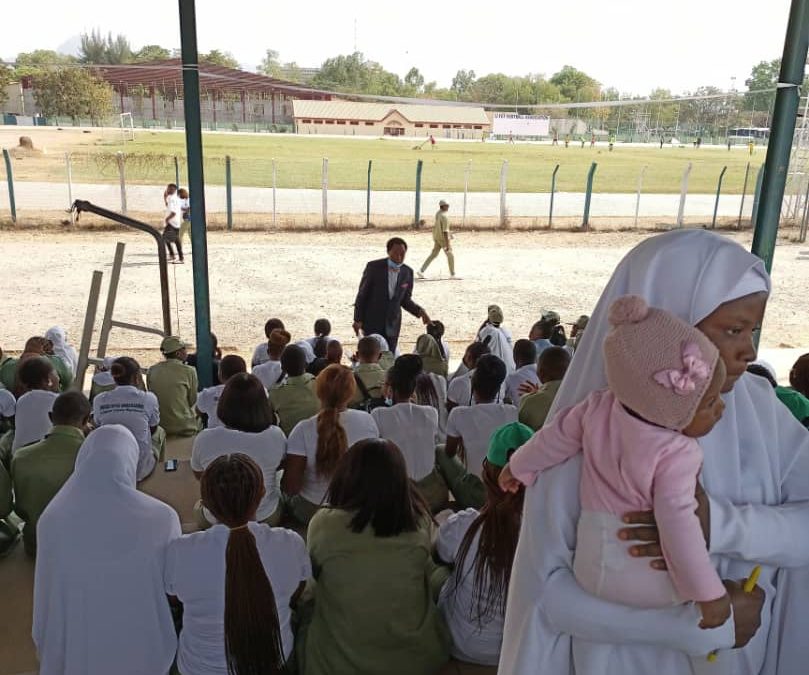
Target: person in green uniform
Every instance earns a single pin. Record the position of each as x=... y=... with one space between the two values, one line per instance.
x=371 y=550
x=35 y=346
x=551 y=368
x=428 y=348
x=797 y=403
x=368 y=372
x=295 y=399
x=175 y=385
x=441 y=240
x=39 y=470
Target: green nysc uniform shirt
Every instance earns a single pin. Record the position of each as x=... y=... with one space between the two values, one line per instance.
x=175 y=385
x=38 y=472
x=294 y=400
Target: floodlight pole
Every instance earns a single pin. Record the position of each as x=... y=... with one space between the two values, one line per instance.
x=787 y=100
x=196 y=189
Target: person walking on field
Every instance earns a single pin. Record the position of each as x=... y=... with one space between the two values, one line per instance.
x=441 y=240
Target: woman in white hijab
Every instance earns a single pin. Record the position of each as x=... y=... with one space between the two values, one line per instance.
x=99 y=603
x=61 y=348
x=756 y=473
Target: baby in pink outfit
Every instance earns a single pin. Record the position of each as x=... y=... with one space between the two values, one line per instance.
x=640 y=453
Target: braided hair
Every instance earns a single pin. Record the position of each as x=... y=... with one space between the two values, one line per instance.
x=231 y=488
x=335 y=387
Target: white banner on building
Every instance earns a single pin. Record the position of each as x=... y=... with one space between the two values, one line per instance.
x=506 y=124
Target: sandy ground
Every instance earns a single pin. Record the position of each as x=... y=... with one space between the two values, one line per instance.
x=302 y=276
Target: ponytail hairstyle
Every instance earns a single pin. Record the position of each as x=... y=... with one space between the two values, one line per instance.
x=231 y=488
x=335 y=387
x=125 y=371
x=499 y=526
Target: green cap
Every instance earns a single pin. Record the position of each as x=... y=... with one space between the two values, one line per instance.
x=495 y=314
x=549 y=316
x=171 y=344
x=581 y=322
x=505 y=440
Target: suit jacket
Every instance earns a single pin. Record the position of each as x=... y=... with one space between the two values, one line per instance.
x=377 y=312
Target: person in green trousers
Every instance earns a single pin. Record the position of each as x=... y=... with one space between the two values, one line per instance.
x=441 y=241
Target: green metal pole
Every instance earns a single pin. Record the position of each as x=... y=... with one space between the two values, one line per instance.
x=588 y=196
x=10 y=179
x=196 y=187
x=177 y=171
x=782 y=130
x=419 y=167
x=368 y=197
x=229 y=192
x=757 y=197
x=553 y=192
x=718 y=191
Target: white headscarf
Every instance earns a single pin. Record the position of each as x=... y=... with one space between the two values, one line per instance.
x=498 y=344
x=755 y=456
x=58 y=337
x=99 y=603
x=308 y=351
x=381 y=341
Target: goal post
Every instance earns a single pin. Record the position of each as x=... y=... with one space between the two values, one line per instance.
x=127 y=127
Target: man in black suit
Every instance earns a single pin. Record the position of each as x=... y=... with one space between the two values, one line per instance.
x=386 y=287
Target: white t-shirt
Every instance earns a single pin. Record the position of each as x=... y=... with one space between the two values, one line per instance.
x=195 y=573
x=174 y=205
x=32 y=422
x=470 y=642
x=358 y=425
x=266 y=448
x=520 y=376
x=269 y=373
x=207 y=402
x=136 y=410
x=8 y=404
x=414 y=429
x=261 y=354
x=459 y=390
x=474 y=425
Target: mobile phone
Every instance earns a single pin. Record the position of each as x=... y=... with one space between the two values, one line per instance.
x=170 y=465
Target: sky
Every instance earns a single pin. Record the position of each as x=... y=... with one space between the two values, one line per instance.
x=632 y=45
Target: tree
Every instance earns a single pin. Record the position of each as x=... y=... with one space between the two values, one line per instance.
x=763 y=76
x=576 y=85
x=95 y=48
x=270 y=64
x=29 y=63
x=6 y=77
x=353 y=73
x=413 y=82
x=291 y=72
x=219 y=58
x=151 y=53
x=462 y=82
x=72 y=92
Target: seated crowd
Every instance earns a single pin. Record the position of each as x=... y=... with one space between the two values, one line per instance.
x=388 y=465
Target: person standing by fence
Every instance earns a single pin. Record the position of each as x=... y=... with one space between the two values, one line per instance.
x=441 y=240
x=173 y=222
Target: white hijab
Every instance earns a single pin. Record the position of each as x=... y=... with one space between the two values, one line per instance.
x=99 y=603
x=755 y=455
x=498 y=344
x=308 y=351
x=61 y=348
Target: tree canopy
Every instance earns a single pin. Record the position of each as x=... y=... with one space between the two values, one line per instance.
x=216 y=57
x=95 y=48
x=72 y=92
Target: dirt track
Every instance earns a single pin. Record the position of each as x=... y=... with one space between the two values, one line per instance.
x=302 y=276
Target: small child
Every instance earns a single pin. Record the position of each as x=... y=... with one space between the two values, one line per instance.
x=640 y=452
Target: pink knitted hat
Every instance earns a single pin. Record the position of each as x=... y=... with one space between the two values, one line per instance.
x=657 y=365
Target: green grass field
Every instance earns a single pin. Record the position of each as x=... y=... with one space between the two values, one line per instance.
x=299 y=164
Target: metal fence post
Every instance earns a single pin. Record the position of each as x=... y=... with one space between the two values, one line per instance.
x=176 y=171
x=757 y=195
x=503 y=177
x=325 y=190
x=419 y=166
x=744 y=192
x=802 y=235
x=553 y=193
x=588 y=195
x=368 y=197
x=466 y=173
x=718 y=191
x=229 y=192
x=69 y=170
x=683 y=194
x=640 y=187
x=122 y=178
x=10 y=178
x=274 y=182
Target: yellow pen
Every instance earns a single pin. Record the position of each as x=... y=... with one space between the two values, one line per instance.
x=748 y=587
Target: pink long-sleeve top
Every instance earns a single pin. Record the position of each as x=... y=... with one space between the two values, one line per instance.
x=631 y=465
